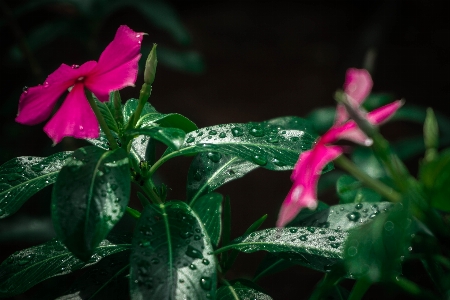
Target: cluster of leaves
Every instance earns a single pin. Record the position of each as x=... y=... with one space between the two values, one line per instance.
x=182 y=249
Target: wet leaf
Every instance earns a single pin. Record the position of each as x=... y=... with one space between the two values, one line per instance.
x=264 y=144
x=22 y=177
x=351 y=190
x=172 y=255
x=27 y=267
x=172 y=137
x=209 y=210
x=316 y=248
x=85 y=212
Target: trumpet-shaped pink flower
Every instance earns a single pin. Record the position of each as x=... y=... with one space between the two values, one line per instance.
x=116 y=68
x=306 y=173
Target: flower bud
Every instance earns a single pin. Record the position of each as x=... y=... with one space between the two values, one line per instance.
x=150 y=66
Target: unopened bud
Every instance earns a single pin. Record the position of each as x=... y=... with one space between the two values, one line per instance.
x=150 y=66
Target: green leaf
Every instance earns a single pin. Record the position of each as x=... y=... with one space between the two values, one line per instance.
x=108 y=279
x=27 y=267
x=435 y=177
x=306 y=212
x=108 y=112
x=131 y=105
x=22 y=177
x=172 y=255
x=312 y=247
x=345 y=216
x=209 y=210
x=351 y=190
x=264 y=144
x=172 y=137
x=85 y=212
x=374 y=250
x=210 y=170
x=367 y=161
x=166 y=120
x=241 y=289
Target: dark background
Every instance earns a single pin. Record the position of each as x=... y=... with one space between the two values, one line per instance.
x=261 y=60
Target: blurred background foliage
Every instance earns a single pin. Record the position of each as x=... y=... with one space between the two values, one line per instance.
x=223 y=62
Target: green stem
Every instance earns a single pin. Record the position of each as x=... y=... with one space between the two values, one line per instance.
x=149 y=189
x=160 y=161
x=370 y=182
x=101 y=120
x=144 y=94
x=412 y=288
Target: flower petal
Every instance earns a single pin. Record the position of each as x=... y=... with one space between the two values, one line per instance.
x=36 y=103
x=75 y=118
x=382 y=114
x=306 y=174
x=118 y=62
x=357 y=86
x=101 y=84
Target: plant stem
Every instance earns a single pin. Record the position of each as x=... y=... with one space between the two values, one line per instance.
x=370 y=182
x=149 y=189
x=359 y=289
x=101 y=120
x=144 y=94
x=160 y=161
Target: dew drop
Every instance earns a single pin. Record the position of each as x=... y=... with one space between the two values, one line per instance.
x=138 y=35
x=256 y=131
x=259 y=160
x=186 y=234
x=81 y=128
x=192 y=267
x=331 y=238
x=214 y=156
x=190 y=139
x=237 y=131
x=293 y=229
x=354 y=216
x=335 y=245
x=272 y=139
x=205 y=261
x=212 y=132
x=358 y=206
x=198 y=175
x=206 y=283
x=303 y=237
x=194 y=253
x=311 y=229
x=25 y=260
x=222 y=135
x=75 y=66
x=388 y=225
x=278 y=163
x=25 y=89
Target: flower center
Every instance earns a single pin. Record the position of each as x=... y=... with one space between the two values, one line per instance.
x=80 y=78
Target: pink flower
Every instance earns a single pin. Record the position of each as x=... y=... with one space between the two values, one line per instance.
x=306 y=173
x=116 y=68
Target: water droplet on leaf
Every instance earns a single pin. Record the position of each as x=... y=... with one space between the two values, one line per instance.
x=354 y=216
x=194 y=253
x=237 y=131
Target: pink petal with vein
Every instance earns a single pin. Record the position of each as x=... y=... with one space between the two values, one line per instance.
x=74 y=118
x=305 y=176
x=102 y=83
x=36 y=103
x=357 y=86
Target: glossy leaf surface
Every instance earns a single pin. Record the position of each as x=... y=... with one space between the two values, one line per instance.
x=22 y=177
x=210 y=170
x=84 y=213
x=27 y=267
x=267 y=145
x=172 y=137
x=209 y=210
x=172 y=255
x=316 y=248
